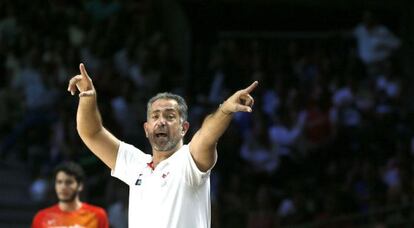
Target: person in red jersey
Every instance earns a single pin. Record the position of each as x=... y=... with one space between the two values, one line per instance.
x=70 y=211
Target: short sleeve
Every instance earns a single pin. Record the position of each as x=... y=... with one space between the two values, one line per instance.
x=194 y=176
x=127 y=158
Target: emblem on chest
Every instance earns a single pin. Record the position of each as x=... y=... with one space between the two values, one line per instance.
x=161 y=178
x=139 y=180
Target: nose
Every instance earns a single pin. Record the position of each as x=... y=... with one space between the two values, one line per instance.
x=162 y=121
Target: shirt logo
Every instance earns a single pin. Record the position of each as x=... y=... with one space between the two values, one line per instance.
x=139 y=180
x=164 y=175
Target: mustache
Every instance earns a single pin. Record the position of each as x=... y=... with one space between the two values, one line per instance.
x=161 y=129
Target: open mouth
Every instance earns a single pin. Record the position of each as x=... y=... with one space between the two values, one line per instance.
x=161 y=135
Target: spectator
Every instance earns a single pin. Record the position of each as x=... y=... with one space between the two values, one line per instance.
x=376 y=43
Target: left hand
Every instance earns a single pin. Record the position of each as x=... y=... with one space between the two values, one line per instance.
x=240 y=101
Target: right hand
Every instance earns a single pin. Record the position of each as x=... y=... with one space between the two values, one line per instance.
x=82 y=82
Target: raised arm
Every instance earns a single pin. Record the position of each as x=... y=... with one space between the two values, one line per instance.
x=88 y=119
x=203 y=145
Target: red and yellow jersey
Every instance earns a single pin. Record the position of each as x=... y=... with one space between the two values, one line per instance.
x=88 y=216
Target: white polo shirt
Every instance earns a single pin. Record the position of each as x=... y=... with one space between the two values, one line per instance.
x=176 y=194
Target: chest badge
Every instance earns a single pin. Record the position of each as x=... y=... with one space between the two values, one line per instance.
x=139 y=180
x=164 y=175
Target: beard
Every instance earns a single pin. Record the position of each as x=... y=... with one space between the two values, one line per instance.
x=69 y=198
x=164 y=144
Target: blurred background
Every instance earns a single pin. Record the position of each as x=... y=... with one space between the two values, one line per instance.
x=330 y=143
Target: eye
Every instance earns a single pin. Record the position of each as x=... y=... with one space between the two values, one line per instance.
x=154 y=117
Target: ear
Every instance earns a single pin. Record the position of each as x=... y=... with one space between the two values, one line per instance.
x=145 y=129
x=80 y=187
x=184 y=128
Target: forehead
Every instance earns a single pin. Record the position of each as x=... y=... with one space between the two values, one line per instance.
x=164 y=105
x=64 y=176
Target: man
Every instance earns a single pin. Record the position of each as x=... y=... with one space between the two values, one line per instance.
x=70 y=211
x=171 y=188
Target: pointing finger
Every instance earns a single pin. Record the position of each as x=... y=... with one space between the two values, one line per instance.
x=83 y=70
x=251 y=87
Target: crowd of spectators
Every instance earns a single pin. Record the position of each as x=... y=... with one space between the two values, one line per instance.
x=330 y=134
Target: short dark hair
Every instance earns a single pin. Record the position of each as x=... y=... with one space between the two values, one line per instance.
x=182 y=105
x=72 y=169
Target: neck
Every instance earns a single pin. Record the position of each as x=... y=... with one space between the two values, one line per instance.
x=159 y=156
x=70 y=206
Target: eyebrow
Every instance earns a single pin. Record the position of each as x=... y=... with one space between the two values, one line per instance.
x=167 y=110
